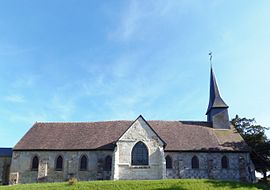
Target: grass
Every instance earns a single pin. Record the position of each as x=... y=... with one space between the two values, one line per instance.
x=176 y=184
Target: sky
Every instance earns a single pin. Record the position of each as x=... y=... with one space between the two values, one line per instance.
x=70 y=60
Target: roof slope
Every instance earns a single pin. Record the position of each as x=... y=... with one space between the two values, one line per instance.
x=179 y=136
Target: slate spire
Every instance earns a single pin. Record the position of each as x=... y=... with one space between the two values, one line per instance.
x=215 y=100
x=217 y=112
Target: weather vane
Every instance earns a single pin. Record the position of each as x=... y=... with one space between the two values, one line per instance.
x=210 y=57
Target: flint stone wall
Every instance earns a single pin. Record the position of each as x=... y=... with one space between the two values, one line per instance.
x=240 y=166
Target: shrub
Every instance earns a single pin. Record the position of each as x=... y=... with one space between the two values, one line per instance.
x=72 y=181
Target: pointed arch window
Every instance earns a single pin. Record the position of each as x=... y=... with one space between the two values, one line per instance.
x=108 y=163
x=35 y=163
x=139 y=154
x=59 y=163
x=83 y=163
x=224 y=162
x=168 y=162
x=195 y=162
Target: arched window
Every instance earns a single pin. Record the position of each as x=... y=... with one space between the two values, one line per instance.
x=108 y=163
x=83 y=163
x=59 y=163
x=168 y=162
x=35 y=163
x=224 y=162
x=139 y=154
x=195 y=162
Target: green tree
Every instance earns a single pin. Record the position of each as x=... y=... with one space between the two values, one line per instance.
x=254 y=136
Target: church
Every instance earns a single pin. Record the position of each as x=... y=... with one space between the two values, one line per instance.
x=139 y=149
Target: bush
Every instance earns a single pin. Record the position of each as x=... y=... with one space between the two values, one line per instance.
x=72 y=181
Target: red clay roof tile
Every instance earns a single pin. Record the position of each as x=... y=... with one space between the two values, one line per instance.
x=179 y=136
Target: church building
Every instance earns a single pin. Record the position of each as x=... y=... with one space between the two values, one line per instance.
x=138 y=149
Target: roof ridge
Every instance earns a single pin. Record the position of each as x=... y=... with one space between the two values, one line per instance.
x=194 y=121
x=48 y=122
x=59 y=122
x=162 y=120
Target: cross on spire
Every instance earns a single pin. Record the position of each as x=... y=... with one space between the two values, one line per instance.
x=210 y=57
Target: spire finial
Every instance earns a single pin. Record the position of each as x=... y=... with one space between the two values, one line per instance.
x=210 y=57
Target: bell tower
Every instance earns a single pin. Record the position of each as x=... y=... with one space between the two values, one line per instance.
x=217 y=111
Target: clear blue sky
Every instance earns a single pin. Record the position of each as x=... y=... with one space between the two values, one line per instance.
x=98 y=60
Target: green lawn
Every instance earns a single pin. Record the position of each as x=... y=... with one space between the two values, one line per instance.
x=179 y=184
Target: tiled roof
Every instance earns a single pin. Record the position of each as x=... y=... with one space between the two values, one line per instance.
x=179 y=136
x=5 y=152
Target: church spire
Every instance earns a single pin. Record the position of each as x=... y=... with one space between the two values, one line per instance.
x=215 y=100
x=217 y=112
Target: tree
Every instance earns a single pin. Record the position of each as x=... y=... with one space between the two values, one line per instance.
x=254 y=136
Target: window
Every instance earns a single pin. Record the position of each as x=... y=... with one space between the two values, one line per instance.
x=168 y=162
x=83 y=163
x=195 y=162
x=139 y=154
x=35 y=163
x=59 y=163
x=108 y=163
x=224 y=162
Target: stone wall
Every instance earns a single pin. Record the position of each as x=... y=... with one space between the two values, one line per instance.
x=122 y=167
x=4 y=169
x=22 y=161
x=240 y=166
